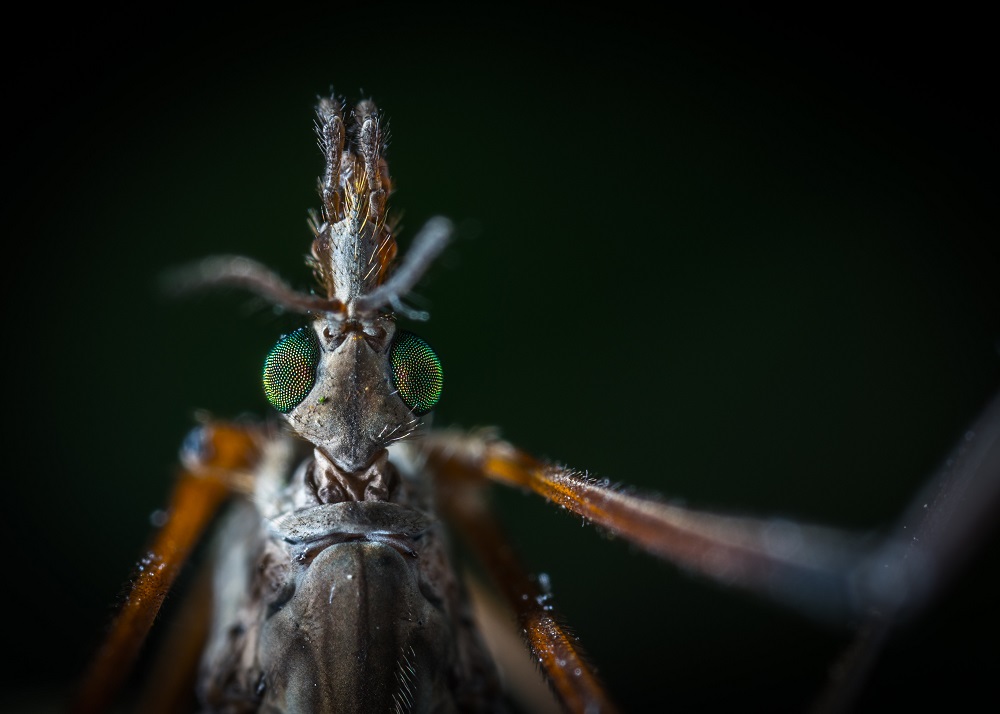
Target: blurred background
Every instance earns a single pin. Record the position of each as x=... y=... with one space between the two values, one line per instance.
x=749 y=264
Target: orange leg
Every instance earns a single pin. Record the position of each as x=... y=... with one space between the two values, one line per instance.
x=463 y=501
x=822 y=571
x=807 y=567
x=226 y=454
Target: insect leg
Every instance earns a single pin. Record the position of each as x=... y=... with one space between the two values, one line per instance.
x=928 y=546
x=821 y=571
x=215 y=458
x=462 y=491
x=169 y=680
x=807 y=567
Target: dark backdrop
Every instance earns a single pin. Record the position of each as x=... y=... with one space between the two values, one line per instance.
x=745 y=261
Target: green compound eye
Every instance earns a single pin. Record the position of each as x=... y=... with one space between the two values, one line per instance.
x=290 y=369
x=417 y=372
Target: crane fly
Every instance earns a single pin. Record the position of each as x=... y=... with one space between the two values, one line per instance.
x=334 y=586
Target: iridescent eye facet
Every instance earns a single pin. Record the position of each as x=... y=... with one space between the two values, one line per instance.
x=416 y=371
x=290 y=369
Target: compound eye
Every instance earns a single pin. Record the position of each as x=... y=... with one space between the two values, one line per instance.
x=416 y=372
x=290 y=369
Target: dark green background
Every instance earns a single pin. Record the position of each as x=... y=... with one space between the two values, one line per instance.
x=744 y=262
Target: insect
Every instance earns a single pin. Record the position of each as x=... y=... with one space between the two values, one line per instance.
x=341 y=513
